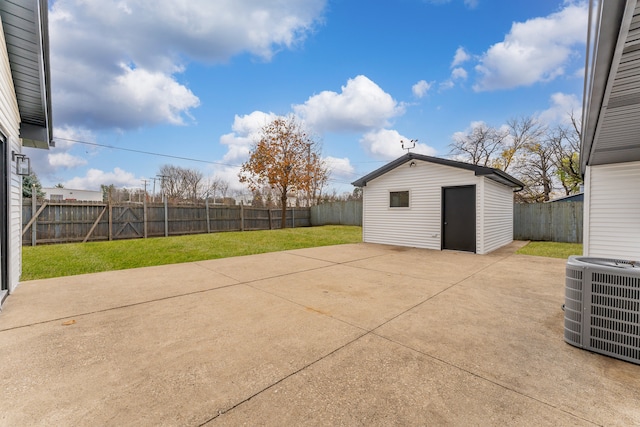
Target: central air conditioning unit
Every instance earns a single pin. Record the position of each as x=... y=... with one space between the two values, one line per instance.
x=602 y=306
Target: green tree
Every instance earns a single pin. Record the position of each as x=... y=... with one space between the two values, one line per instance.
x=287 y=159
x=107 y=192
x=29 y=184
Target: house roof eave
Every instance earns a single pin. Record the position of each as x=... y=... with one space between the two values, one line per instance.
x=25 y=25
x=600 y=143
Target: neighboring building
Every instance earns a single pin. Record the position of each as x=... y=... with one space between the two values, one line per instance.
x=610 y=150
x=25 y=118
x=434 y=203
x=66 y=194
x=578 y=197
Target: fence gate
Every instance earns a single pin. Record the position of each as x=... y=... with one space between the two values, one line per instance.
x=127 y=222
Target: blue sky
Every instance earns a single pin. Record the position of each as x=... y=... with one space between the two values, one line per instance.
x=197 y=79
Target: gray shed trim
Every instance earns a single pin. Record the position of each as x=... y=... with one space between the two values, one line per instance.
x=25 y=24
x=491 y=173
x=611 y=110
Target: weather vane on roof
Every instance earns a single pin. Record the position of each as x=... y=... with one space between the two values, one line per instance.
x=413 y=145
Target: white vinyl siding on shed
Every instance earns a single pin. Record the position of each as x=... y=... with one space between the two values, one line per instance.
x=419 y=225
x=612 y=211
x=497 y=216
x=9 y=125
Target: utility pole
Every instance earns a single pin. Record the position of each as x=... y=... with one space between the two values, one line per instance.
x=166 y=205
x=144 y=181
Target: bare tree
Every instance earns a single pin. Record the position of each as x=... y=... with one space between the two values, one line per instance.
x=180 y=184
x=565 y=141
x=536 y=171
x=480 y=145
x=523 y=132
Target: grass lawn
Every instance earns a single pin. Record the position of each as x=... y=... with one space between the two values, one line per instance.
x=68 y=259
x=551 y=249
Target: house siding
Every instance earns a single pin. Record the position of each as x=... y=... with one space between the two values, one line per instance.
x=612 y=211
x=497 y=216
x=9 y=125
x=420 y=224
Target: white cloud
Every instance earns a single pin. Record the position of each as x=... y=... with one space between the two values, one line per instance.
x=94 y=178
x=229 y=174
x=386 y=144
x=458 y=74
x=562 y=105
x=47 y=163
x=340 y=167
x=446 y=85
x=160 y=97
x=421 y=88
x=362 y=105
x=534 y=51
x=65 y=160
x=91 y=40
x=460 y=57
x=471 y=4
x=246 y=131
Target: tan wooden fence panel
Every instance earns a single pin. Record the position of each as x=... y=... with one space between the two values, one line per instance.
x=553 y=222
x=337 y=213
x=62 y=222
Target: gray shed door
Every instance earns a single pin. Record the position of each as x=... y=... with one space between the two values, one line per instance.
x=459 y=218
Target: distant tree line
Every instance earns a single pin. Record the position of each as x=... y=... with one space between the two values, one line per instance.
x=545 y=158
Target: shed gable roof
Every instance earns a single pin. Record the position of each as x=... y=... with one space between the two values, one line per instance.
x=25 y=25
x=491 y=173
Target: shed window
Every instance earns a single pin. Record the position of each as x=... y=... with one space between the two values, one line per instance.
x=399 y=199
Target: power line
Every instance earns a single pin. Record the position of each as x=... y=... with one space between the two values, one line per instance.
x=145 y=152
x=95 y=144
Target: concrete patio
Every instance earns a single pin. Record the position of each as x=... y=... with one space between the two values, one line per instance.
x=345 y=335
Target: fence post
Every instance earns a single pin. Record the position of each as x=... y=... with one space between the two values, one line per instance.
x=34 y=202
x=110 y=218
x=206 y=207
x=269 y=215
x=144 y=215
x=241 y=216
x=166 y=216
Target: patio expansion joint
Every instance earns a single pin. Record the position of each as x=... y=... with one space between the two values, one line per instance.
x=338 y=262
x=365 y=332
x=151 y=301
x=484 y=378
x=284 y=378
x=455 y=366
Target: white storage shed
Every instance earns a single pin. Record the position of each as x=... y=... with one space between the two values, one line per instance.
x=433 y=203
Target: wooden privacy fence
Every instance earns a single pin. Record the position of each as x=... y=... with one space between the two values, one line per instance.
x=556 y=222
x=61 y=222
x=337 y=213
x=553 y=222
